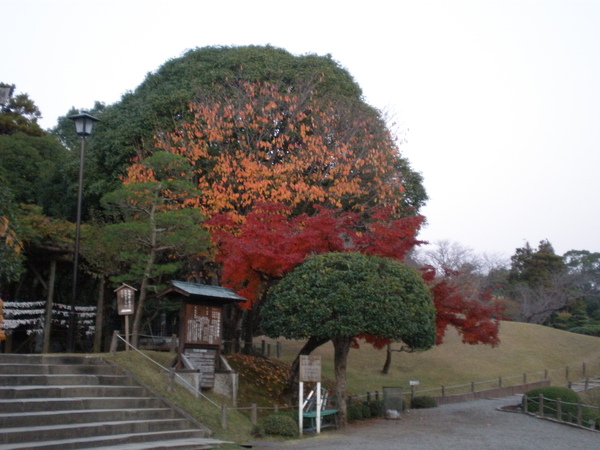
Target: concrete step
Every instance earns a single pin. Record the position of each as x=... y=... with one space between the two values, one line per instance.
x=43 y=418
x=62 y=402
x=75 y=403
x=63 y=379
x=55 y=369
x=180 y=439
x=49 y=392
x=80 y=431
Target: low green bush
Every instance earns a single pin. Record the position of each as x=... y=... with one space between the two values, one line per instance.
x=569 y=405
x=376 y=408
x=354 y=412
x=258 y=431
x=423 y=401
x=280 y=425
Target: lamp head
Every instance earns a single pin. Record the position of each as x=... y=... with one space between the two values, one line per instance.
x=83 y=123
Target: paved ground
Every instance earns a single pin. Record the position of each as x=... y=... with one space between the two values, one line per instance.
x=465 y=426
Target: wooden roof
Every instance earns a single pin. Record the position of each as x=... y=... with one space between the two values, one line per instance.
x=215 y=293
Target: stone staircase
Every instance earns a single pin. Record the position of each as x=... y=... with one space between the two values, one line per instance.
x=71 y=402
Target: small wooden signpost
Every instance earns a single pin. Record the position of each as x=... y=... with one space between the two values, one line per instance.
x=126 y=306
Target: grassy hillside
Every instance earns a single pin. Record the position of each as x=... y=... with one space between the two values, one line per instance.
x=524 y=348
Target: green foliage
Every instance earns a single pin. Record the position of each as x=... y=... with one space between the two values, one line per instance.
x=535 y=267
x=569 y=397
x=423 y=401
x=19 y=114
x=376 y=408
x=344 y=294
x=258 y=431
x=11 y=259
x=280 y=425
x=590 y=330
x=355 y=412
x=31 y=160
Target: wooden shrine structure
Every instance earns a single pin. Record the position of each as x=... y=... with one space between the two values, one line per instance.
x=200 y=326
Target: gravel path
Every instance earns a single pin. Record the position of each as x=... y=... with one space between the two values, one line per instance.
x=471 y=425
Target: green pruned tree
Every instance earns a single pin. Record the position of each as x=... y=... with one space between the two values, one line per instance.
x=337 y=296
x=155 y=234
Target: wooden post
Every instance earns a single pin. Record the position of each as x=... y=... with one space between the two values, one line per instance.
x=499 y=381
x=99 y=316
x=524 y=378
x=525 y=404
x=278 y=346
x=263 y=347
x=376 y=396
x=559 y=409
x=541 y=405
x=115 y=342
x=254 y=414
x=171 y=380
x=583 y=370
x=224 y=417
x=48 y=318
x=276 y=408
x=127 y=333
x=579 y=413
x=443 y=390
x=300 y=406
x=173 y=344
x=472 y=386
x=268 y=350
x=587 y=384
x=319 y=405
x=368 y=397
x=546 y=374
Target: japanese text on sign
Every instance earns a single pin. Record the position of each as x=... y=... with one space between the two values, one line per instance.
x=310 y=368
x=203 y=325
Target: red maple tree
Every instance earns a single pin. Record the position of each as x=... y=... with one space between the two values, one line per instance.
x=272 y=241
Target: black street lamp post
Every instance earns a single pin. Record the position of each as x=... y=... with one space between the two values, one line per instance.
x=83 y=126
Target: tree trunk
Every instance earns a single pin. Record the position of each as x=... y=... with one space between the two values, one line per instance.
x=49 y=300
x=99 y=317
x=341 y=347
x=312 y=344
x=388 y=360
x=247 y=332
x=139 y=310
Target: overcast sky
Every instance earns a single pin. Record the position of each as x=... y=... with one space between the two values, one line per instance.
x=499 y=101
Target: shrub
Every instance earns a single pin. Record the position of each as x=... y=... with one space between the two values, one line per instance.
x=376 y=408
x=280 y=425
x=354 y=412
x=569 y=407
x=423 y=401
x=258 y=431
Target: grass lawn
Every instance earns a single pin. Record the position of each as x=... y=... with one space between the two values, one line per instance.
x=524 y=348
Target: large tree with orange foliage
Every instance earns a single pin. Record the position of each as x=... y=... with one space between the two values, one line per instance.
x=259 y=141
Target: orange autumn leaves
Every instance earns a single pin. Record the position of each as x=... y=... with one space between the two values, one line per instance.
x=255 y=142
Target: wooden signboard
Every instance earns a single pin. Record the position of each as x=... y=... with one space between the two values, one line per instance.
x=125 y=299
x=203 y=360
x=310 y=368
x=202 y=324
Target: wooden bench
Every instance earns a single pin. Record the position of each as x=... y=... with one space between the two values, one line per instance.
x=309 y=411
